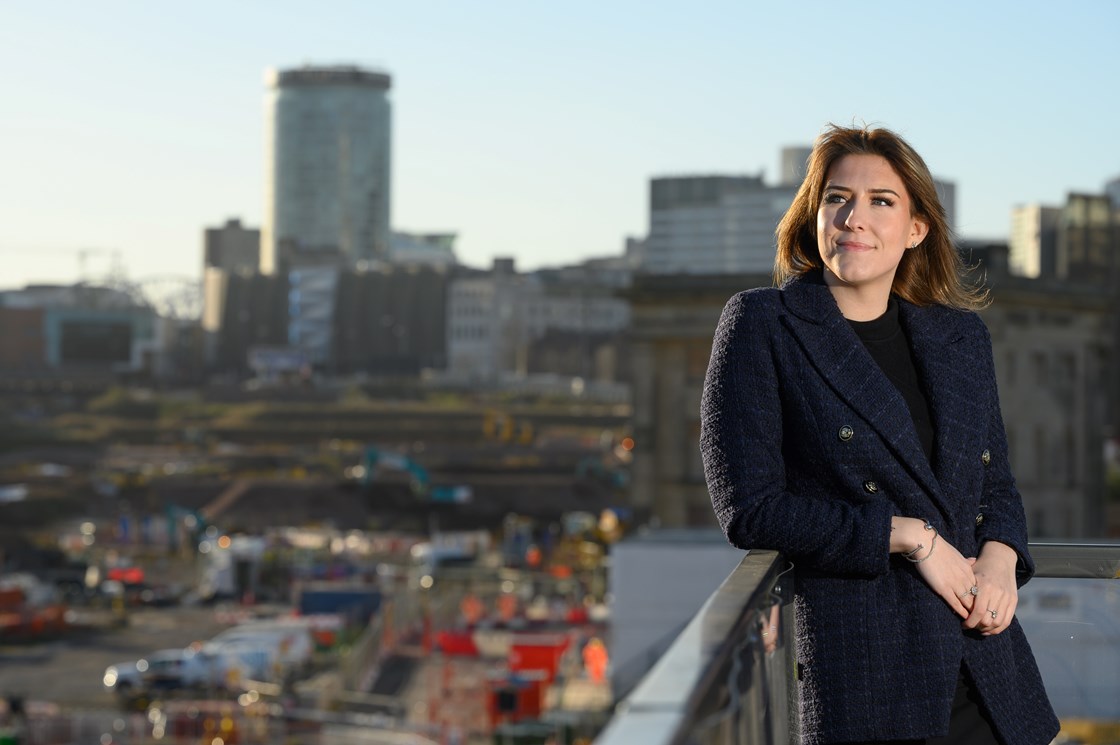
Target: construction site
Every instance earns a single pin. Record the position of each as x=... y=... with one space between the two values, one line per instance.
x=446 y=560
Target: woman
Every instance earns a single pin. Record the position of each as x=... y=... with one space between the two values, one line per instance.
x=851 y=421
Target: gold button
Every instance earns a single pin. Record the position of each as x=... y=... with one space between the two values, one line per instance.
x=846 y=433
x=980 y=518
x=986 y=456
x=870 y=487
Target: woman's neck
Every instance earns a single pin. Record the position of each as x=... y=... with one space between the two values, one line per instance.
x=858 y=303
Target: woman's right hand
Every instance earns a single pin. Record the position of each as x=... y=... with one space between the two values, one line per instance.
x=945 y=570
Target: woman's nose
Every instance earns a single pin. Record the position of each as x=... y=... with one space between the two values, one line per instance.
x=853 y=215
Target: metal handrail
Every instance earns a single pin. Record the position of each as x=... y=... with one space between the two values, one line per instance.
x=675 y=691
x=1076 y=560
x=719 y=681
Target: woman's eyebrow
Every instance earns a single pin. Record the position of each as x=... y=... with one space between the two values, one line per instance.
x=840 y=187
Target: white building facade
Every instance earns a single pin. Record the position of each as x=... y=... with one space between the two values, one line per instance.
x=490 y=320
x=1030 y=246
x=493 y=318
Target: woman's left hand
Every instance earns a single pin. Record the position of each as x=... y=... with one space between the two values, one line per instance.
x=998 y=594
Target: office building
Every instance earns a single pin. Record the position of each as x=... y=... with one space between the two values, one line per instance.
x=1031 y=245
x=327 y=164
x=254 y=314
x=489 y=323
x=566 y=321
x=1112 y=189
x=1079 y=241
x=231 y=248
x=390 y=320
x=712 y=224
x=1054 y=342
x=78 y=329
x=672 y=322
x=1088 y=245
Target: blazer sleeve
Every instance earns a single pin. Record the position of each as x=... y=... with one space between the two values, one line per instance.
x=1001 y=505
x=741 y=437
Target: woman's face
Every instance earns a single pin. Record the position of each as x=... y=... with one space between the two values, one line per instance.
x=864 y=223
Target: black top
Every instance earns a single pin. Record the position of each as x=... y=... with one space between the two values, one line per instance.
x=886 y=340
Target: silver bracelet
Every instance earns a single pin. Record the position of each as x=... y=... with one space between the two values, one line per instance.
x=909 y=555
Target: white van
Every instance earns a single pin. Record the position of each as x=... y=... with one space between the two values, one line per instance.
x=282 y=646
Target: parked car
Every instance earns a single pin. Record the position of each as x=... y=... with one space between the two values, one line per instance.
x=128 y=678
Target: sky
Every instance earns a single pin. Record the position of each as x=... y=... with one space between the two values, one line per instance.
x=530 y=129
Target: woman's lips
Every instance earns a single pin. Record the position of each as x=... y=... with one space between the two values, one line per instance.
x=854 y=246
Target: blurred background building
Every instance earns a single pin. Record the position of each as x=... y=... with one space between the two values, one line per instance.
x=76 y=330
x=231 y=249
x=1079 y=240
x=713 y=224
x=327 y=190
x=569 y=322
x=1034 y=231
x=327 y=163
x=390 y=320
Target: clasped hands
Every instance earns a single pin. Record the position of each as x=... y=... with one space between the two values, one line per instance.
x=981 y=590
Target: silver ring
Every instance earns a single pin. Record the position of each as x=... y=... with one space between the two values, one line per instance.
x=974 y=591
x=994 y=614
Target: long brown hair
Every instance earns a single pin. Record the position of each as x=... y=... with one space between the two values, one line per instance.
x=932 y=273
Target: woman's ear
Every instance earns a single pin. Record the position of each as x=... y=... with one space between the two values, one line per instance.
x=919 y=229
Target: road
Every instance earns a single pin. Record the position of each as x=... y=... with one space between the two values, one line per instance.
x=69 y=671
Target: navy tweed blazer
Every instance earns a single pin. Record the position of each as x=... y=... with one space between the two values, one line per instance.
x=810 y=450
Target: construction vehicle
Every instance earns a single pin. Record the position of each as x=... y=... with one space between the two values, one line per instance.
x=375 y=459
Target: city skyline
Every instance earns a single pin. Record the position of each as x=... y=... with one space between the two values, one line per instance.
x=531 y=132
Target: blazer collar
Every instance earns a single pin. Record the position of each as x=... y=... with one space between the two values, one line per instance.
x=808 y=297
x=846 y=365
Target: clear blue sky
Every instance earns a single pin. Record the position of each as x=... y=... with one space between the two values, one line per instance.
x=531 y=129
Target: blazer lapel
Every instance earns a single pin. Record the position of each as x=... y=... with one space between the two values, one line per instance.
x=945 y=357
x=848 y=368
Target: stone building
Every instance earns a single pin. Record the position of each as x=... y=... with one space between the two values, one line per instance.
x=1055 y=345
x=672 y=321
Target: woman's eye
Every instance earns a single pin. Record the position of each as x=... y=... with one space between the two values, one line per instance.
x=833 y=198
x=882 y=201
